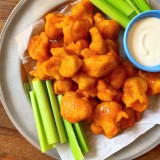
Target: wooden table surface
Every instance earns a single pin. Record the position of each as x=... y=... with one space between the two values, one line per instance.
x=13 y=146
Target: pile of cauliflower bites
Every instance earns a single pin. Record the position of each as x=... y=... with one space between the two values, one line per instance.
x=80 y=53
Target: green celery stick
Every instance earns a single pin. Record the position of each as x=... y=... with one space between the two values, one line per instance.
x=80 y=137
x=112 y=12
x=45 y=112
x=73 y=143
x=142 y=5
x=132 y=4
x=40 y=130
x=123 y=7
x=56 y=112
x=27 y=89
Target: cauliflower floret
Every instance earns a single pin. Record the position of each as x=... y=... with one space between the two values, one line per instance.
x=134 y=93
x=117 y=78
x=77 y=47
x=63 y=86
x=38 y=47
x=98 y=44
x=70 y=66
x=75 y=108
x=84 y=9
x=107 y=116
x=38 y=72
x=86 y=53
x=99 y=65
x=105 y=92
x=153 y=81
x=109 y=29
x=59 y=52
x=52 y=19
x=75 y=29
x=51 y=68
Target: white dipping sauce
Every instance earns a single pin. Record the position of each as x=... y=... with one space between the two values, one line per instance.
x=144 y=41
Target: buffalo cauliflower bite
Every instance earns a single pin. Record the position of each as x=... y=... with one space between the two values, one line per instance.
x=153 y=81
x=53 y=19
x=105 y=92
x=106 y=119
x=86 y=53
x=38 y=47
x=99 y=65
x=38 y=72
x=134 y=93
x=63 y=86
x=75 y=29
x=109 y=29
x=70 y=66
x=75 y=108
x=98 y=44
x=51 y=68
x=84 y=9
x=117 y=77
x=59 y=52
x=77 y=47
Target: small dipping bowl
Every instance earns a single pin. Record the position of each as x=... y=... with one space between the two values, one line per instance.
x=147 y=14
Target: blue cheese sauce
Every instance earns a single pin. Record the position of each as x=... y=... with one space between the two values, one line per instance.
x=144 y=41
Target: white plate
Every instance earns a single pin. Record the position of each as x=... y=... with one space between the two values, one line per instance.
x=12 y=76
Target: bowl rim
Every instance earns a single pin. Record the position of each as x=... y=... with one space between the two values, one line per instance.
x=150 y=13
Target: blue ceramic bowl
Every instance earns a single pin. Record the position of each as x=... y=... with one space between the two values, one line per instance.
x=151 y=13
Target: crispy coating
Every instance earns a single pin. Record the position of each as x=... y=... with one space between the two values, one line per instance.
x=98 y=44
x=38 y=72
x=75 y=108
x=153 y=81
x=134 y=93
x=99 y=65
x=77 y=47
x=84 y=9
x=70 y=66
x=75 y=29
x=117 y=77
x=109 y=29
x=51 y=68
x=60 y=52
x=63 y=86
x=53 y=19
x=106 y=118
x=38 y=47
x=105 y=92
x=86 y=53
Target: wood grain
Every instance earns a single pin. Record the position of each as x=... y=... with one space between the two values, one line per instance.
x=12 y=145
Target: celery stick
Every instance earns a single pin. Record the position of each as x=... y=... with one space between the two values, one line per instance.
x=27 y=89
x=108 y=9
x=45 y=112
x=80 y=137
x=56 y=112
x=73 y=143
x=123 y=7
x=142 y=5
x=132 y=4
x=40 y=130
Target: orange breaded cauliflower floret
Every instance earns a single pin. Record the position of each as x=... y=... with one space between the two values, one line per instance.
x=108 y=28
x=75 y=108
x=105 y=92
x=134 y=93
x=38 y=72
x=63 y=86
x=98 y=44
x=70 y=66
x=38 y=47
x=59 y=52
x=75 y=29
x=153 y=81
x=117 y=77
x=53 y=19
x=99 y=65
x=51 y=68
x=106 y=118
x=83 y=10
